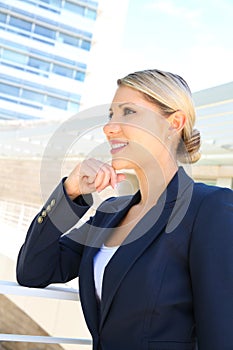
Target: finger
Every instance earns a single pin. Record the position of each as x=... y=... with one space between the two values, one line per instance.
x=113 y=176
x=99 y=178
x=105 y=177
x=104 y=170
x=113 y=179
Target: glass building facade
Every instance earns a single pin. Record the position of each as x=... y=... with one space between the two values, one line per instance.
x=44 y=51
x=215 y=121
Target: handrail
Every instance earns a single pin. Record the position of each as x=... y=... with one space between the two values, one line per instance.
x=52 y=291
x=43 y=339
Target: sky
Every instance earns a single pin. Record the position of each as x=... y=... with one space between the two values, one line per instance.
x=193 y=38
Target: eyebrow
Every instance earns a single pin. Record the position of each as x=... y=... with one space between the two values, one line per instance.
x=123 y=104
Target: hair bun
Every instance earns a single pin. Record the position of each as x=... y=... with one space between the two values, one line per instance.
x=189 y=148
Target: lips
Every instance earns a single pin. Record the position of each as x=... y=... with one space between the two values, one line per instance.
x=117 y=145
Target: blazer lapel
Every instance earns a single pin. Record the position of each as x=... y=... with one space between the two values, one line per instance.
x=87 y=291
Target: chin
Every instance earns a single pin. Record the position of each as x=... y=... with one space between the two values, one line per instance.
x=119 y=164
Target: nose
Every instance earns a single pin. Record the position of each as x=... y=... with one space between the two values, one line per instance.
x=111 y=128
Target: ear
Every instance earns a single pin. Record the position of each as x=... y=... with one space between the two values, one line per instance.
x=177 y=121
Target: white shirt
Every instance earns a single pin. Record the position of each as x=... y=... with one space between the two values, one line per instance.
x=100 y=261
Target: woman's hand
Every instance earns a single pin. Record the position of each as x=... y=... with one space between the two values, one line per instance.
x=89 y=176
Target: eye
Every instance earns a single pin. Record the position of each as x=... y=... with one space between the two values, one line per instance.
x=127 y=111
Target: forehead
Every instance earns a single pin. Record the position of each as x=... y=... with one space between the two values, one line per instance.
x=125 y=94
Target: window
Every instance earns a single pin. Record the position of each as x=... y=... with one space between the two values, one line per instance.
x=77 y=9
x=33 y=2
x=9 y=89
x=75 y=97
x=14 y=56
x=39 y=64
x=80 y=76
x=73 y=107
x=56 y=102
x=32 y=96
x=53 y=2
x=61 y=70
x=3 y=18
x=41 y=30
x=19 y=23
x=64 y=60
x=12 y=44
x=68 y=39
x=91 y=13
x=81 y=65
x=86 y=45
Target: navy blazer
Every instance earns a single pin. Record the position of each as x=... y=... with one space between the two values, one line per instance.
x=170 y=284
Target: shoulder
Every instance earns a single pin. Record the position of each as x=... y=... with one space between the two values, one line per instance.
x=214 y=219
x=214 y=195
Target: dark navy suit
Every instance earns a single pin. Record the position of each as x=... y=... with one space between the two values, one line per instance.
x=168 y=287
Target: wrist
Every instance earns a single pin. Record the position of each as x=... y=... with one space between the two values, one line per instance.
x=69 y=190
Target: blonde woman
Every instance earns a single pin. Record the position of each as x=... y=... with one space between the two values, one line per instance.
x=155 y=268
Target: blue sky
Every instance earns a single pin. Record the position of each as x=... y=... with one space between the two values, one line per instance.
x=193 y=38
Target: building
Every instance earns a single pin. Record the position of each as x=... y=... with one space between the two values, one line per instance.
x=215 y=121
x=44 y=51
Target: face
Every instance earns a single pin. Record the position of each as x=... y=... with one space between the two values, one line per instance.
x=137 y=131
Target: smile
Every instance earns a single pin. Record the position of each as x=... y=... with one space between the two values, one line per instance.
x=117 y=146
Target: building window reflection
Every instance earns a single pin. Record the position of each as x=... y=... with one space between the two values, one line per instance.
x=56 y=102
x=91 y=13
x=68 y=39
x=86 y=45
x=20 y=23
x=9 y=89
x=78 y=9
x=73 y=107
x=3 y=17
x=14 y=56
x=33 y=96
x=80 y=76
x=53 y=2
x=41 y=30
x=39 y=64
x=61 y=70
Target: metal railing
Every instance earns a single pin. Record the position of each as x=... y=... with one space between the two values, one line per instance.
x=51 y=292
x=17 y=215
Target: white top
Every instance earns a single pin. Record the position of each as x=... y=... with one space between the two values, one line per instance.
x=100 y=261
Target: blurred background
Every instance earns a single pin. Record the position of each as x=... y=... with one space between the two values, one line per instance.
x=63 y=57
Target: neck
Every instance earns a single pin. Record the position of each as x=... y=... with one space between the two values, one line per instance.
x=153 y=182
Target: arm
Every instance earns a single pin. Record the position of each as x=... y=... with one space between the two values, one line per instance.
x=211 y=267
x=46 y=256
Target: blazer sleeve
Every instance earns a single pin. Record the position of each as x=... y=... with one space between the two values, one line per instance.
x=47 y=256
x=211 y=268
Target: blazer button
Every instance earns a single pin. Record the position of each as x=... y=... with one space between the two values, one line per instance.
x=44 y=213
x=40 y=220
x=53 y=201
x=48 y=208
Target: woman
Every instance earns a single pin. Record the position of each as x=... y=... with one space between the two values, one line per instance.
x=156 y=268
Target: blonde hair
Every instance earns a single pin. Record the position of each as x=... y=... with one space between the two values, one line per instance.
x=170 y=93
